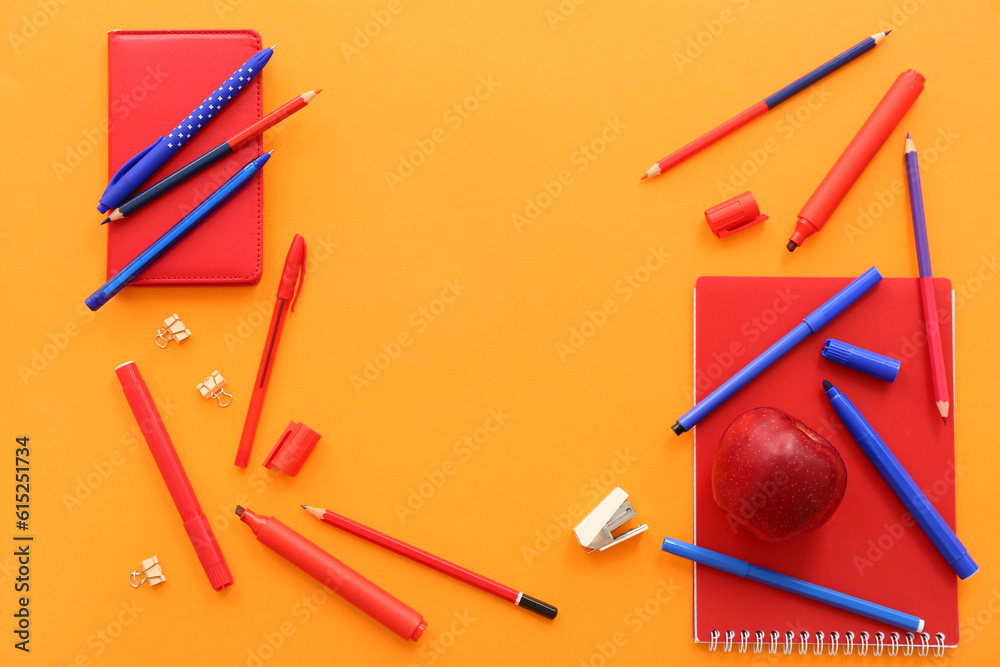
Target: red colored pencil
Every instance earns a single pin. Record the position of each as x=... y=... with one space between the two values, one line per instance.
x=212 y=156
x=931 y=322
x=434 y=562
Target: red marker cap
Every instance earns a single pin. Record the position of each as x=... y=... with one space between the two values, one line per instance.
x=293 y=448
x=734 y=215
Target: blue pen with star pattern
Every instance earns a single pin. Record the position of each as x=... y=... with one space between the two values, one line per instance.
x=137 y=170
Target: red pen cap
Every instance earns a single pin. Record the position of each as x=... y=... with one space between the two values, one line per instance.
x=734 y=215
x=293 y=448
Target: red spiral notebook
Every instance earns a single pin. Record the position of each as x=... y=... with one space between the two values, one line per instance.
x=155 y=78
x=870 y=548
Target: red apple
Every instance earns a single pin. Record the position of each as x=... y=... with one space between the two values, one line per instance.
x=776 y=476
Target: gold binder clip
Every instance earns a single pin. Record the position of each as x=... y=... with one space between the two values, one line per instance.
x=212 y=387
x=152 y=571
x=173 y=329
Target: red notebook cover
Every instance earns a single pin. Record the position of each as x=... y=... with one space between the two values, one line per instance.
x=870 y=548
x=155 y=79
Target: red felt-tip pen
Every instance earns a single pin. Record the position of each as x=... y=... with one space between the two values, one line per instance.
x=195 y=522
x=846 y=170
x=342 y=580
x=293 y=271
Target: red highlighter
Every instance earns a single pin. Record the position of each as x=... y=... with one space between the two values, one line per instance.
x=336 y=576
x=195 y=522
x=857 y=155
x=293 y=271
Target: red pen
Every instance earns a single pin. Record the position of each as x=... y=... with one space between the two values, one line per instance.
x=195 y=522
x=336 y=576
x=293 y=271
x=857 y=155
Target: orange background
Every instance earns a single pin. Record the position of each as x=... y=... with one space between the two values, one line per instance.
x=562 y=77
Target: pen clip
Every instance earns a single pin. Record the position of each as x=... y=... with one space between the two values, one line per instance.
x=131 y=163
x=294 y=271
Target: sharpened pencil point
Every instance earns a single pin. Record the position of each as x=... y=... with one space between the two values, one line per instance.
x=943 y=407
x=105 y=221
x=644 y=176
x=888 y=31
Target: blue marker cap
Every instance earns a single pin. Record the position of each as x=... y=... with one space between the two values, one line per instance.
x=874 y=364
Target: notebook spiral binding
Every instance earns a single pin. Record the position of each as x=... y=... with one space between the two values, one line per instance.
x=863 y=643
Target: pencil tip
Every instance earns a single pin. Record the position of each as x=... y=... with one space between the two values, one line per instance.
x=943 y=407
x=318 y=91
x=643 y=177
x=105 y=221
x=887 y=32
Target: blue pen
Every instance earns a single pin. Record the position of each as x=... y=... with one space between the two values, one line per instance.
x=812 y=323
x=176 y=233
x=741 y=568
x=144 y=163
x=906 y=489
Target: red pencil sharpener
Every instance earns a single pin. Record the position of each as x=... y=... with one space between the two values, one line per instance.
x=734 y=215
x=293 y=448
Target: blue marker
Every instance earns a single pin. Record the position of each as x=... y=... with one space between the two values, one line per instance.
x=144 y=163
x=741 y=568
x=173 y=235
x=906 y=489
x=812 y=323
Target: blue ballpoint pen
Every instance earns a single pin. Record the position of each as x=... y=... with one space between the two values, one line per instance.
x=812 y=323
x=926 y=515
x=741 y=568
x=144 y=163
x=176 y=233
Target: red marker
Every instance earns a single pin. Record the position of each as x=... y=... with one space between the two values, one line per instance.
x=286 y=287
x=336 y=576
x=195 y=522
x=857 y=155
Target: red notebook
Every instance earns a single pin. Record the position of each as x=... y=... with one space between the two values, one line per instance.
x=155 y=78
x=870 y=548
